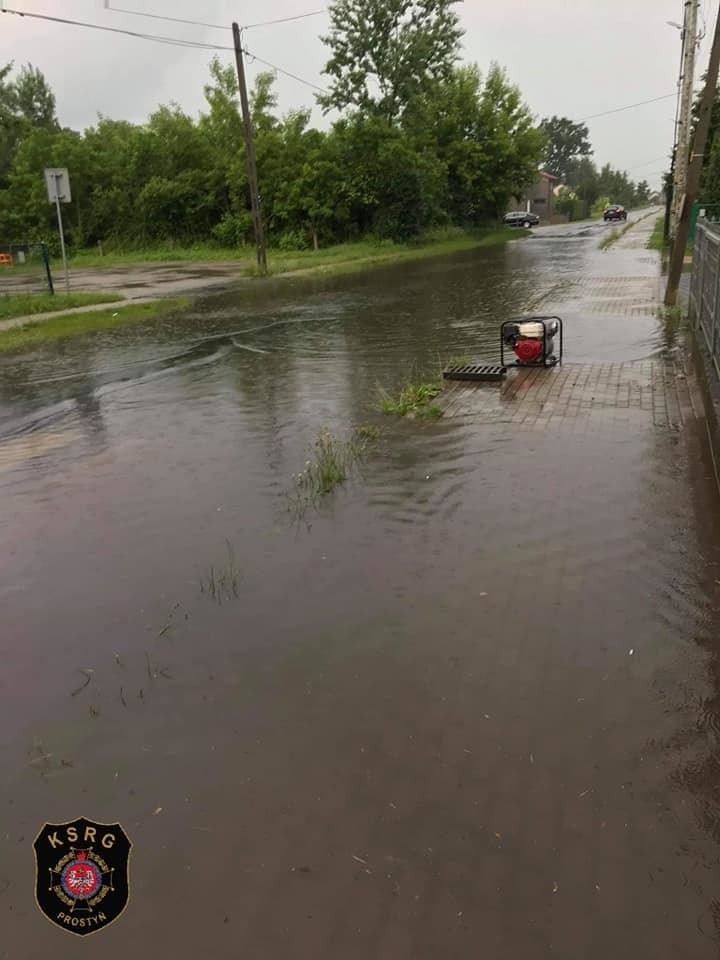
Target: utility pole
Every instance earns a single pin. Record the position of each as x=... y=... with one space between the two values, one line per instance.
x=687 y=77
x=250 y=154
x=695 y=169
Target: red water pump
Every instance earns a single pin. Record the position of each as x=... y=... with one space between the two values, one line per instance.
x=532 y=340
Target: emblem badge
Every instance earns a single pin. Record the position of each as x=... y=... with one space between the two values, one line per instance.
x=82 y=874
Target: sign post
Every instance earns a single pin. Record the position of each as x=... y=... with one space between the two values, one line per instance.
x=57 y=182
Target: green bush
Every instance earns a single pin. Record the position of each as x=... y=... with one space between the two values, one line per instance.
x=292 y=240
x=234 y=230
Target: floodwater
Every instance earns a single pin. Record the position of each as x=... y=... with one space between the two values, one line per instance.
x=468 y=707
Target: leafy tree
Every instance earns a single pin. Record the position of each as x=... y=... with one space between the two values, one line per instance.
x=385 y=52
x=439 y=143
x=582 y=177
x=485 y=136
x=711 y=175
x=566 y=141
x=642 y=193
x=34 y=100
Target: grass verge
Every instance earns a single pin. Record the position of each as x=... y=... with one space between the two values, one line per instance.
x=25 y=304
x=352 y=257
x=35 y=333
x=616 y=234
x=414 y=399
x=657 y=237
x=332 y=461
x=195 y=253
x=610 y=239
x=433 y=243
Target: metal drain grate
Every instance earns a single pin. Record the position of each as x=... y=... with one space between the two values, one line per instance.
x=475 y=371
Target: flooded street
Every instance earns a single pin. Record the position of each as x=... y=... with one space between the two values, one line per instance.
x=468 y=707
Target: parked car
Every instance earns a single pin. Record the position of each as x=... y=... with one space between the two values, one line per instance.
x=615 y=212
x=520 y=218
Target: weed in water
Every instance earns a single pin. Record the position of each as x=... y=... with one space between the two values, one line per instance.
x=222 y=583
x=332 y=462
x=458 y=360
x=415 y=399
x=671 y=313
x=433 y=412
x=367 y=434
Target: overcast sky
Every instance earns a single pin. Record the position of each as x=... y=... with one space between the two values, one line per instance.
x=574 y=58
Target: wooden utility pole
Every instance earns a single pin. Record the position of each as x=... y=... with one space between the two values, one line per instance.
x=687 y=80
x=250 y=154
x=677 y=256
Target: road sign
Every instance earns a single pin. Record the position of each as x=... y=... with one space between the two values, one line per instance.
x=57 y=182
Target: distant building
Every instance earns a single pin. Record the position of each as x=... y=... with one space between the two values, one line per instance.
x=540 y=197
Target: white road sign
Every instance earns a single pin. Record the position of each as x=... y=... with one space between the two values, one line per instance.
x=57 y=182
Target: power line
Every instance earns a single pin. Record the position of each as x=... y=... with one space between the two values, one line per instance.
x=273 y=66
x=172 y=41
x=213 y=26
x=156 y=16
x=630 y=106
x=200 y=45
x=648 y=162
x=297 y=16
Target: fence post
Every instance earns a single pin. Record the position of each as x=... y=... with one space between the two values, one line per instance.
x=693 y=298
x=48 y=272
x=701 y=277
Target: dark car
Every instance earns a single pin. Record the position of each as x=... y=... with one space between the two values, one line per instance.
x=520 y=218
x=615 y=212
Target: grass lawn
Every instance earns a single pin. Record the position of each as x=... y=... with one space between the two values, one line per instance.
x=364 y=252
x=25 y=304
x=34 y=333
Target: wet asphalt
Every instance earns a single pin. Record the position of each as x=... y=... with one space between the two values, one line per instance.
x=467 y=707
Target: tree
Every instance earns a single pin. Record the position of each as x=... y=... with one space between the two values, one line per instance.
x=385 y=52
x=26 y=104
x=485 y=136
x=34 y=100
x=642 y=193
x=582 y=177
x=566 y=141
x=711 y=175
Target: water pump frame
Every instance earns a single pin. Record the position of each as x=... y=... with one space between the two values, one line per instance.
x=548 y=360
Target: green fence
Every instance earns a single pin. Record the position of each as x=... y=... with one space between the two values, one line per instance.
x=705 y=211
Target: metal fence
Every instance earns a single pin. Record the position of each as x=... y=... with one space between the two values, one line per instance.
x=704 y=299
x=25 y=268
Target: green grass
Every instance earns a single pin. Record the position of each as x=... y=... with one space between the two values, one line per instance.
x=35 y=333
x=657 y=237
x=25 y=304
x=414 y=399
x=674 y=314
x=330 y=465
x=339 y=257
x=351 y=257
x=457 y=360
x=194 y=253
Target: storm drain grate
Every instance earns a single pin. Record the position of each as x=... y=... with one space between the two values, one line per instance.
x=475 y=371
